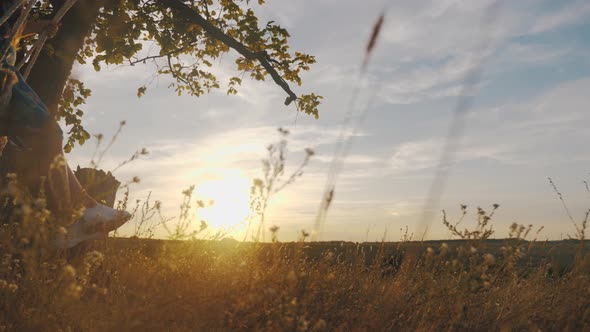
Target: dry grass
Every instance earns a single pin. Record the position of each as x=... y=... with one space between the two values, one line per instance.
x=201 y=285
x=141 y=285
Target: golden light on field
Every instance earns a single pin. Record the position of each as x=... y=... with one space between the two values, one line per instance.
x=231 y=200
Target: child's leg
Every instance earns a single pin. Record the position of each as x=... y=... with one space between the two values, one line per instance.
x=42 y=157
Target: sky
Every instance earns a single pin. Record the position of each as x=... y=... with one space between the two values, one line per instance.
x=528 y=120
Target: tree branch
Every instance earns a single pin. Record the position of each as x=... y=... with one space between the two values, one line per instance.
x=192 y=16
x=159 y=56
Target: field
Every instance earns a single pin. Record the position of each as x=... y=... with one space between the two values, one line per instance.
x=187 y=283
x=163 y=285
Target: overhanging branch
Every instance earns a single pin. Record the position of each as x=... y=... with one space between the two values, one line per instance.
x=262 y=57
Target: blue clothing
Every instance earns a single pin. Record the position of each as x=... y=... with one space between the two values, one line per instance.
x=28 y=110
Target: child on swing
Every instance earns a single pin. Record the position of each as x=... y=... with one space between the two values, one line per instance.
x=35 y=142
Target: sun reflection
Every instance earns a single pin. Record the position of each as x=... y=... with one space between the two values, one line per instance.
x=231 y=201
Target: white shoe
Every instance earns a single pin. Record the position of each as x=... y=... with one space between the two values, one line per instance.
x=100 y=218
x=96 y=223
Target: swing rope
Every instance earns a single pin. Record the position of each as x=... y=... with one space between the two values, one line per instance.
x=38 y=46
x=19 y=23
x=9 y=12
x=32 y=54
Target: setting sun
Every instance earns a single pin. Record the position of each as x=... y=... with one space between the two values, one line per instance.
x=231 y=201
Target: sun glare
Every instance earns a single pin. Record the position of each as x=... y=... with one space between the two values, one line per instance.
x=231 y=201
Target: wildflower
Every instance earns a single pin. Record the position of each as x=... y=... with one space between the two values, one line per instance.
x=3 y=283
x=329 y=256
x=73 y=291
x=26 y=210
x=270 y=292
x=303 y=324
x=40 y=202
x=473 y=250
x=429 y=251
x=513 y=227
x=291 y=276
x=443 y=248
x=320 y=325
x=489 y=259
x=69 y=271
x=94 y=258
x=12 y=287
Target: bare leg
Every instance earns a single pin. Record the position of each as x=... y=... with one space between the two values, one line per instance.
x=44 y=158
x=77 y=190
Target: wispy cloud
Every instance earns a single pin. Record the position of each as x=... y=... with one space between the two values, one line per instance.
x=570 y=13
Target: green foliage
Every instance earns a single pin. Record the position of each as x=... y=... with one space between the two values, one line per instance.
x=184 y=50
x=309 y=104
x=141 y=91
x=73 y=96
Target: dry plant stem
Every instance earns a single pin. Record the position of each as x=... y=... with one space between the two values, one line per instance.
x=345 y=139
x=273 y=183
x=102 y=153
x=36 y=49
x=579 y=231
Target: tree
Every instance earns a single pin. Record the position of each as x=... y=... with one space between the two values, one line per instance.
x=189 y=36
